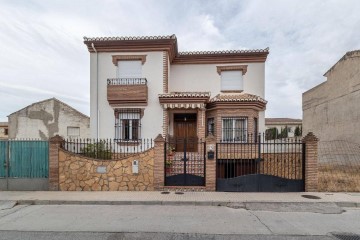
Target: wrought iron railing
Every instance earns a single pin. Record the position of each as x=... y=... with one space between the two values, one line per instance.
x=126 y=81
x=107 y=148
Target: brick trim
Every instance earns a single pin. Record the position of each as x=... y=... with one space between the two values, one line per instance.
x=242 y=68
x=165 y=72
x=116 y=58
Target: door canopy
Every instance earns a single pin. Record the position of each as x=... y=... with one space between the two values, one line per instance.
x=184 y=100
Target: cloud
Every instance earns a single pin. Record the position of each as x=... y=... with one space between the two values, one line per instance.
x=43 y=54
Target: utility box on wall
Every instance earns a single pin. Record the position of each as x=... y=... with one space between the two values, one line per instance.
x=135 y=166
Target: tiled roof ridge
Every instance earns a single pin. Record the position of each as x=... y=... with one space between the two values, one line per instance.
x=129 y=38
x=243 y=97
x=265 y=50
x=186 y=94
x=283 y=119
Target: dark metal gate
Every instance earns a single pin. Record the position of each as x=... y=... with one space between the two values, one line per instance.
x=255 y=166
x=184 y=168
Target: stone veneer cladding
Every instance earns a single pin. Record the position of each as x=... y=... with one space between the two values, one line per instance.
x=78 y=173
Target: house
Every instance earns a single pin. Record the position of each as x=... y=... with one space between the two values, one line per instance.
x=47 y=118
x=4 y=131
x=285 y=127
x=331 y=110
x=143 y=86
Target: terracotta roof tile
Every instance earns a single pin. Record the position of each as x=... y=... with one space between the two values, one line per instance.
x=185 y=94
x=129 y=38
x=282 y=120
x=243 y=97
x=266 y=50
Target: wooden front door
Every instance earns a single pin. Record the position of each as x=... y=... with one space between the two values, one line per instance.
x=185 y=132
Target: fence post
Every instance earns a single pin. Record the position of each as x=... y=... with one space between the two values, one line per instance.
x=210 y=181
x=159 y=165
x=311 y=162
x=55 y=143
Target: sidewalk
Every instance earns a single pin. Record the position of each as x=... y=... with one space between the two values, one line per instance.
x=172 y=198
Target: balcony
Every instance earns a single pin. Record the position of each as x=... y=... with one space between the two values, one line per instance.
x=127 y=91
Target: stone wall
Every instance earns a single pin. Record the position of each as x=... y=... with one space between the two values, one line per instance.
x=78 y=173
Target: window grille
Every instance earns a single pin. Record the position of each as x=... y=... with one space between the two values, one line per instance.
x=128 y=125
x=210 y=126
x=234 y=129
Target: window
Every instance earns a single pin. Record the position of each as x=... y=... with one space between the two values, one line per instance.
x=73 y=131
x=127 y=125
x=210 y=126
x=232 y=77
x=129 y=69
x=232 y=81
x=234 y=129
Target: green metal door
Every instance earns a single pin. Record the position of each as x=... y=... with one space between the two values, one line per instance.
x=24 y=165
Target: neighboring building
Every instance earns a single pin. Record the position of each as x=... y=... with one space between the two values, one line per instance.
x=46 y=119
x=331 y=110
x=4 y=130
x=142 y=86
x=292 y=126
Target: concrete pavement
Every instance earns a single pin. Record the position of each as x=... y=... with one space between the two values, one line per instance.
x=246 y=199
x=209 y=221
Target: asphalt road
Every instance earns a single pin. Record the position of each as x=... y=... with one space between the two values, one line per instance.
x=173 y=222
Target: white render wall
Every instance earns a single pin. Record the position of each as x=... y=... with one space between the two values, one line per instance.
x=205 y=78
x=46 y=119
x=152 y=70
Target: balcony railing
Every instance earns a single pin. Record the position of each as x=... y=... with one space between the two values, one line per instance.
x=126 y=81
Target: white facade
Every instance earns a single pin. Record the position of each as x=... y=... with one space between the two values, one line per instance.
x=102 y=114
x=205 y=78
x=165 y=73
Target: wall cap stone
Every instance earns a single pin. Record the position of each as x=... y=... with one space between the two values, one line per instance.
x=159 y=138
x=310 y=137
x=210 y=138
x=56 y=139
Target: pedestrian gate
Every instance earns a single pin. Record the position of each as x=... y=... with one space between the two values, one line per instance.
x=184 y=162
x=24 y=165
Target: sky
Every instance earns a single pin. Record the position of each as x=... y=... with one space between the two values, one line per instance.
x=42 y=54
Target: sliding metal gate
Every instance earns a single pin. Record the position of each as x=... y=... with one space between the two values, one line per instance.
x=255 y=166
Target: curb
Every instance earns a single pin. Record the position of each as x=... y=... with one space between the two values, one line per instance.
x=178 y=203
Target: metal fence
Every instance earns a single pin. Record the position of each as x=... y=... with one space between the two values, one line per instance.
x=107 y=148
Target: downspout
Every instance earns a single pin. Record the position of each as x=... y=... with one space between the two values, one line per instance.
x=97 y=92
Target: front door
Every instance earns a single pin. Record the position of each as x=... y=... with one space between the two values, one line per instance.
x=185 y=133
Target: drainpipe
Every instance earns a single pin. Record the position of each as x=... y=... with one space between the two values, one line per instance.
x=97 y=92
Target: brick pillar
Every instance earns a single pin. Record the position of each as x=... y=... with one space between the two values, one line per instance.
x=311 y=162
x=201 y=123
x=210 y=180
x=159 y=166
x=165 y=122
x=55 y=143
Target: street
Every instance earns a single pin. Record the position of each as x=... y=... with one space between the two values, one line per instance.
x=173 y=222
